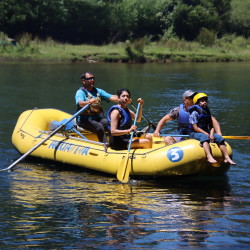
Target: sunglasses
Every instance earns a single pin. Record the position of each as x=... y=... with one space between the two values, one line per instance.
x=90 y=78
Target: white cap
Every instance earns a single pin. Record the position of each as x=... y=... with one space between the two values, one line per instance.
x=188 y=93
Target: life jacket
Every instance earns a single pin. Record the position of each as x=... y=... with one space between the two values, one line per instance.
x=93 y=109
x=126 y=119
x=184 y=126
x=204 y=119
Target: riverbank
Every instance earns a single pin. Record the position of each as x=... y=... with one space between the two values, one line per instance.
x=139 y=52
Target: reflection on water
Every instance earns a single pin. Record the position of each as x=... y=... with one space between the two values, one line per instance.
x=47 y=205
x=90 y=210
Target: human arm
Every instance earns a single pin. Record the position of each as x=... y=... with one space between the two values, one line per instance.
x=115 y=117
x=141 y=101
x=193 y=119
x=172 y=115
x=81 y=99
x=105 y=96
x=211 y=135
x=216 y=126
x=86 y=102
x=114 y=98
x=199 y=130
x=161 y=123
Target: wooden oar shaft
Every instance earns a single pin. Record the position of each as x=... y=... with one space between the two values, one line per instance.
x=45 y=139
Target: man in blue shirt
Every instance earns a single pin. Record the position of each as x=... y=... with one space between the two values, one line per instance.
x=92 y=118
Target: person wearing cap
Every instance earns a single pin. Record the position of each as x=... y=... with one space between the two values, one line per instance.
x=181 y=114
x=92 y=118
x=203 y=130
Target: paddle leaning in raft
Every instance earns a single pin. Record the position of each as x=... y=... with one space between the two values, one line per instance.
x=34 y=135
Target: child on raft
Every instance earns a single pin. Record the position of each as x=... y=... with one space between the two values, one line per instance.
x=200 y=118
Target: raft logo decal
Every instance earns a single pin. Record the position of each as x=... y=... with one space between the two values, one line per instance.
x=68 y=147
x=175 y=154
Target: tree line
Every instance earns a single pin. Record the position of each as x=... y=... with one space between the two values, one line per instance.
x=109 y=21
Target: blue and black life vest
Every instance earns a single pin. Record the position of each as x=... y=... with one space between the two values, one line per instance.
x=184 y=126
x=126 y=119
x=204 y=119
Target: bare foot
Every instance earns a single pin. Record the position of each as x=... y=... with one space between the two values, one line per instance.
x=211 y=160
x=228 y=160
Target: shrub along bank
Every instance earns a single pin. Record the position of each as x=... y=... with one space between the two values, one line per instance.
x=228 y=48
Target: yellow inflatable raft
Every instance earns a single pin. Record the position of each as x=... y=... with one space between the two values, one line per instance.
x=184 y=158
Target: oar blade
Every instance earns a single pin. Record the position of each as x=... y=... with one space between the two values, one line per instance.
x=127 y=172
x=123 y=173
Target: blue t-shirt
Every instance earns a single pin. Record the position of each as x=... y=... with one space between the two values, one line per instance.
x=81 y=95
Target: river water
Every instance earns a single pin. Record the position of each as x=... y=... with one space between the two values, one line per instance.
x=53 y=206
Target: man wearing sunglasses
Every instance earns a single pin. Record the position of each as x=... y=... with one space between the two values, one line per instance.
x=92 y=118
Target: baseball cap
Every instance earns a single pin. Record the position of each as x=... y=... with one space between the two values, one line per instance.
x=188 y=93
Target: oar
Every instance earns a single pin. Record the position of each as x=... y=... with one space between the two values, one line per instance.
x=149 y=122
x=163 y=135
x=45 y=139
x=123 y=171
x=236 y=137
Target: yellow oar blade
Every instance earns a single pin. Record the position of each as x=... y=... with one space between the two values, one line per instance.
x=237 y=137
x=123 y=171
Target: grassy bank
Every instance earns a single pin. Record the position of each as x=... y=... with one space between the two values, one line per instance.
x=227 y=49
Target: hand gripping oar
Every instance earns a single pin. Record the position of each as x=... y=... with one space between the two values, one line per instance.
x=45 y=139
x=124 y=169
x=149 y=122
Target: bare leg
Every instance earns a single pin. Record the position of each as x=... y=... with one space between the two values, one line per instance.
x=207 y=150
x=216 y=126
x=142 y=143
x=169 y=140
x=223 y=149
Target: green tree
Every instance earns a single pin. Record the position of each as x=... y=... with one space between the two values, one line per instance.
x=188 y=19
x=135 y=18
x=223 y=9
x=38 y=17
x=86 y=22
x=104 y=21
x=240 y=17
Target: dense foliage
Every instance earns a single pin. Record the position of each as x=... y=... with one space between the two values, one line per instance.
x=106 y=21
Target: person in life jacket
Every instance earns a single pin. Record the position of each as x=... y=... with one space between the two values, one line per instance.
x=181 y=114
x=200 y=118
x=92 y=118
x=120 y=123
